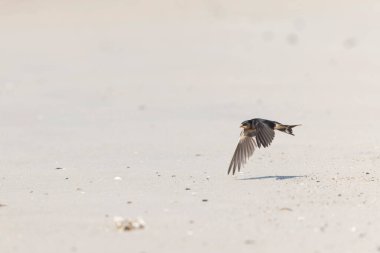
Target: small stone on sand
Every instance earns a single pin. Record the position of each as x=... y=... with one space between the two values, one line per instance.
x=123 y=224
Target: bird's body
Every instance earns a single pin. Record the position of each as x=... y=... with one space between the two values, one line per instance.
x=256 y=133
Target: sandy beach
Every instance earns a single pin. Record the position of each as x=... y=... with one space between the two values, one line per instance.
x=132 y=109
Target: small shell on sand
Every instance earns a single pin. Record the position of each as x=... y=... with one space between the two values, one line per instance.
x=123 y=224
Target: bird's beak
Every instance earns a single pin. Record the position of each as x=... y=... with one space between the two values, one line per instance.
x=241 y=126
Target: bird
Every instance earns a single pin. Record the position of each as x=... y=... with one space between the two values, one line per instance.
x=256 y=133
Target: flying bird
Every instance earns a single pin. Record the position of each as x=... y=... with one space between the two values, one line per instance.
x=256 y=133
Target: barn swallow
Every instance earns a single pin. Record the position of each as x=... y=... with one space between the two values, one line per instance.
x=256 y=133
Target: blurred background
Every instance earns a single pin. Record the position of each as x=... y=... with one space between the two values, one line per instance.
x=72 y=70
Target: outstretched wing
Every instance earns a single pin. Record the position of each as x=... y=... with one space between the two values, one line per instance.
x=264 y=134
x=244 y=150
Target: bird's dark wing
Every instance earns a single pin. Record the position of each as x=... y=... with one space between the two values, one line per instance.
x=244 y=150
x=264 y=134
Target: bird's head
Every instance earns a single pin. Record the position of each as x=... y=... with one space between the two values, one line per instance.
x=245 y=124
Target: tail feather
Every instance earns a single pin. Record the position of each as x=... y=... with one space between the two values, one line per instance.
x=286 y=128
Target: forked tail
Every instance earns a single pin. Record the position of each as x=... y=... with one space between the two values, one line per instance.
x=285 y=128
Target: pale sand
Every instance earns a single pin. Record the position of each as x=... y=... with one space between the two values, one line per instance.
x=154 y=93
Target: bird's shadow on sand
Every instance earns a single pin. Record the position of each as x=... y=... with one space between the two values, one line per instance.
x=270 y=177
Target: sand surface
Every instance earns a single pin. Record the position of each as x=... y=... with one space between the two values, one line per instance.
x=138 y=104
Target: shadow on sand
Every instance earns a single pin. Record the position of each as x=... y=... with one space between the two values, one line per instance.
x=270 y=177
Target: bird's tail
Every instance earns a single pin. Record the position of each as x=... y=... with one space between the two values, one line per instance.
x=285 y=128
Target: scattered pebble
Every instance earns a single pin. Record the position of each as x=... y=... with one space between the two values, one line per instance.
x=323 y=228
x=142 y=107
x=353 y=229
x=292 y=39
x=187 y=189
x=123 y=224
x=59 y=168
x=80 y=190
x=249 y=241
x=117 y=178
x=2 y=205
x=190 y=233
x=339 y=195
x=66 y=178
x=198 y=155
x=129 y=202
x=350 y=43
x=204 y=200
x=286 y=209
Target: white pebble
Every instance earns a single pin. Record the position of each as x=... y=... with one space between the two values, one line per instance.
x=128 y=224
